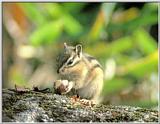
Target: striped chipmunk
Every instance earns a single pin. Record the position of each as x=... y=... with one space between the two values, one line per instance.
x=79 y=72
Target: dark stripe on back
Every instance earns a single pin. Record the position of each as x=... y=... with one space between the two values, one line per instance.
x=90 y=58
x=90 y=71
x=95 y=66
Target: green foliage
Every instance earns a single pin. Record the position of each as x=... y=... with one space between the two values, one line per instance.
x=116 y=85
x=47 y=33
x=145 y=42
x=52 y=22
x=72 y=26
x=115 y=47
x=142 y=67
x=31 y=11
x=148 y=16
x=71 y=7
x=102 y=20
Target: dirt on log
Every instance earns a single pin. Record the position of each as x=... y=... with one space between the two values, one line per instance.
x=34 y=106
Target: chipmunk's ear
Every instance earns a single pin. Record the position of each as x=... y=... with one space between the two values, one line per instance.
x=79 y=50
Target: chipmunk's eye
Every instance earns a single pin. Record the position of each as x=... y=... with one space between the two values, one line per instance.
x=70 y=62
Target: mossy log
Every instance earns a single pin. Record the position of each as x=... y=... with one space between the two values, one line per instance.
x=34 y=106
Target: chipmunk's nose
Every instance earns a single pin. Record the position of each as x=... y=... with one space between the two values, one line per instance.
x=60 y=70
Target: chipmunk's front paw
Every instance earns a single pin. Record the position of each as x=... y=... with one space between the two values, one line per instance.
x=62 y=86
x=87 y=102
x=84 y=102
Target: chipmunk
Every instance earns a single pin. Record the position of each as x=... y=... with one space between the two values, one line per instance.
x=81 y=72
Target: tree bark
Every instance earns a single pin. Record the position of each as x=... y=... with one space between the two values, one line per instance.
x=34 y=106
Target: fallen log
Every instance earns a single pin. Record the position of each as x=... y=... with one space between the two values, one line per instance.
x=32 y=106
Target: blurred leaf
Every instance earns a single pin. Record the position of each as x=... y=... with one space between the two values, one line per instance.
x=47 y=33
x=146 y=43
x=115 y=47
x=115 y=85
x=120 y=45
x=32 y=12
x=54 y=10
x=108 y=8
x=140 y=67
x=122 y=16
x=96 y=28
x=102 y=20
x=71 y=7
x=145 y=19
x=149 y=8
x=71 y=25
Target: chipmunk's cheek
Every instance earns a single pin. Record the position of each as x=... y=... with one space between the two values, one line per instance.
x=65 y=71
